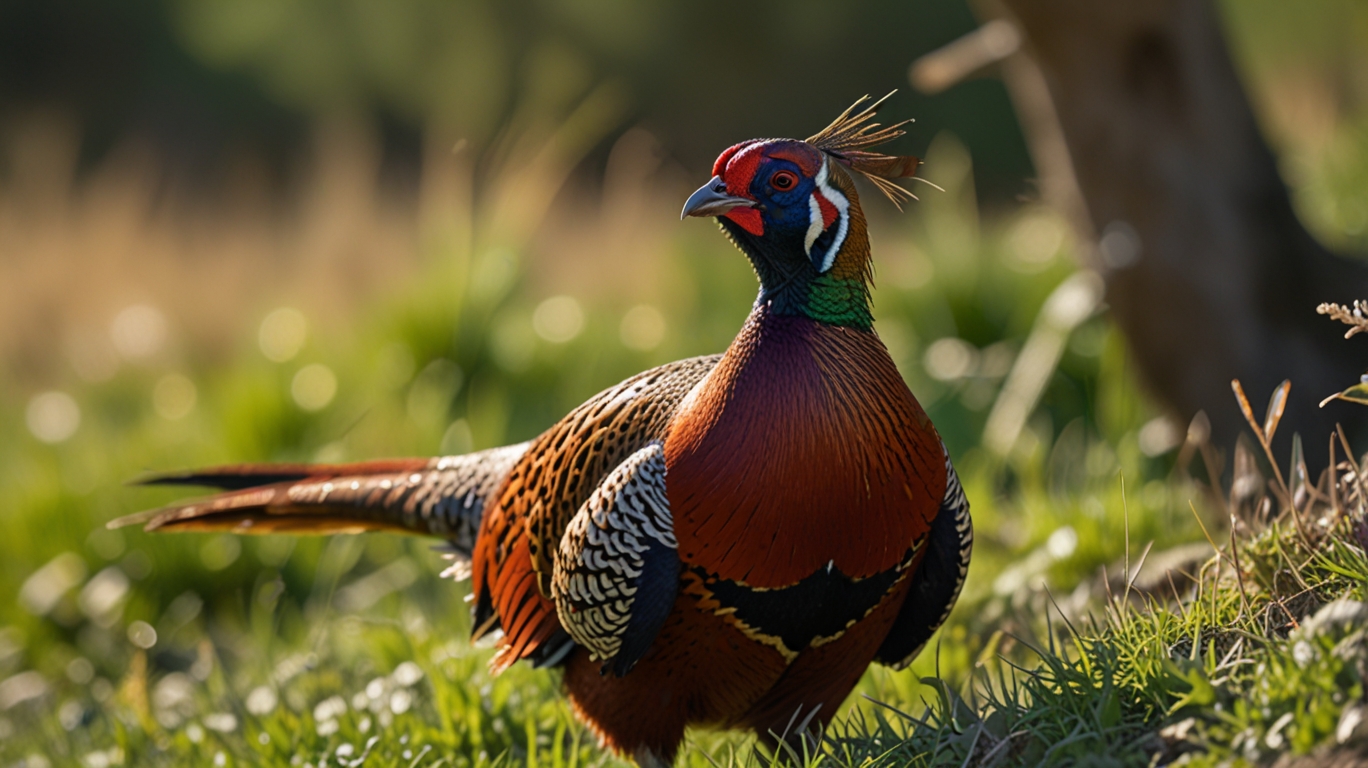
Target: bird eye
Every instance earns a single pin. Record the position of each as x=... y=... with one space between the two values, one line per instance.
x=783 y=181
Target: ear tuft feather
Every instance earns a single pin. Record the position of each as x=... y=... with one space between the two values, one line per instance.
x=850 y=135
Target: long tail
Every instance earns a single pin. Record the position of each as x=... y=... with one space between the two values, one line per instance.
x=438 y=497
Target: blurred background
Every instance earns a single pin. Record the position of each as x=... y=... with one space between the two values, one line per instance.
x=301 y=230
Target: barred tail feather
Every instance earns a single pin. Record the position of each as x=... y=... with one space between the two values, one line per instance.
x=237 y=477
x=438 y=497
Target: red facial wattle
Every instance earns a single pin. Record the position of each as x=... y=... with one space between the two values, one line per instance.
x=748 y=219
x=740 y=170
x=737 y=167
x=720 y=164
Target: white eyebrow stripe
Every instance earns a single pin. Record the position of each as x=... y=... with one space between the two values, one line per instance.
x=842 y=205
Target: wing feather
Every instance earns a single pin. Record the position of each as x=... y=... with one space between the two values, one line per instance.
x=515 y=555
x=617 y=568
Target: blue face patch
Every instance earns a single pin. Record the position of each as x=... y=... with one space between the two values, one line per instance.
x=802 y=212
x=783 y=210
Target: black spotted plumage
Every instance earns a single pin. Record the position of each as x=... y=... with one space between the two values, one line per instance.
x=544 y=491
x=734 y=537
x=617 y=567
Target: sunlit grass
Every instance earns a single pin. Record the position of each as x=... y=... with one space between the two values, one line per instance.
x=155 y=646
x=125 y=648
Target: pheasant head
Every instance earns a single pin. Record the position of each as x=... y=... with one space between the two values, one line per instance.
x=792 y=208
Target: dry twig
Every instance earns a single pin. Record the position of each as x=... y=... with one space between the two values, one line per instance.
x=1355 y=317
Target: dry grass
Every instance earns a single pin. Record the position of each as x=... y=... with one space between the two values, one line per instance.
x=77 y=250
x=80 y=247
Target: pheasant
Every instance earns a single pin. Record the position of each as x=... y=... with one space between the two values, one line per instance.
x=723 y=541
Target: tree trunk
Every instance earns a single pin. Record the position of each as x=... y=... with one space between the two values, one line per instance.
x=1208 y=271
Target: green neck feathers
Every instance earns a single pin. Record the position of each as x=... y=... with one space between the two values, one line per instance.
x=838 y=301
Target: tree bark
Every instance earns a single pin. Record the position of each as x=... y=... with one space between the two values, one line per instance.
x=1209 y=273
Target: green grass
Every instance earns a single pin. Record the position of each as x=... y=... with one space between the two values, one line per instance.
x=126 y=648
x=400 y=684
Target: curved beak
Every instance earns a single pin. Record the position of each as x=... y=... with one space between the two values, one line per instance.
x=712 y=199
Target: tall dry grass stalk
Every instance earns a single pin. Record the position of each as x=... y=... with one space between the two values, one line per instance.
x=78 y=247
